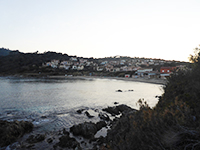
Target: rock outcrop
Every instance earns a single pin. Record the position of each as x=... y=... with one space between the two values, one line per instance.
x=65 y=141
x=11 y=131
x=87 y=129
x=116 y=110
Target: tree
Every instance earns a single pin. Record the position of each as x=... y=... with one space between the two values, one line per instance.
x=195 y=58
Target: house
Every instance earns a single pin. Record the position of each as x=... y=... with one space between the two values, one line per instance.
x=127 y=75
x=66 y=63
x=74 y=67
x=73 y=59
x=104 y=62
x=167 y=70
x=116 y=69
x=164 y=75
x=109 y=68
x=153 y=74
x=124 y=68
x=99 y=68
x=144 y=71
x=67 y=67
x=80 y=67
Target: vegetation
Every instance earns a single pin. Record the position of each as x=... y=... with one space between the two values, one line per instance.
x=4 y=52
x=35 y=64
x=17 y=62
x=174 y=123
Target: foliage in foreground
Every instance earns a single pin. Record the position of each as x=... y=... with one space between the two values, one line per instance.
x=173 y=124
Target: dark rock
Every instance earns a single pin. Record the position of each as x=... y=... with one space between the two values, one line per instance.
x=100 y=140
x=104 y=116
x=30 y=146
x=116 y=110
x=87 y=129
x=130 y=90
x=121 y=129
x=35 y=138
x=67 y=142
x=88 y=114
x=112 y=110
x=65 y=132
x=80 y=111
x=11 y=131
x=124 y=108
x=43 y=117
x=116 y=103
x=158 y=96
x=49 y=140
x=96 y=110
x=119 y=91
x=100 y=125
x=83 y=142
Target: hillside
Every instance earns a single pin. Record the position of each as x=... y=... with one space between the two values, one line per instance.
x=4 y=52
x=16 y=62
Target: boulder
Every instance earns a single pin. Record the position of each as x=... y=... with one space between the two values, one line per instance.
x=11 y=131
x=112 y=110
x=124 y=108
x=104 y=116
x=100 y=125
x=116 y=110
x=67 y=142
x=49 y=140
x=87 y=129
x=35 y=138
x=116 y=103
x=119 y=91
x=88 y=114
x=80 y=111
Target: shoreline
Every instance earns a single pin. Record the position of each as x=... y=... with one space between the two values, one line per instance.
x=144 y=80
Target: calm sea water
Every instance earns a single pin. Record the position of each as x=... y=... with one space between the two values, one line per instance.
x=51 y=104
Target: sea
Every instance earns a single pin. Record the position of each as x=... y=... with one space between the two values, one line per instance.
x=52 y=104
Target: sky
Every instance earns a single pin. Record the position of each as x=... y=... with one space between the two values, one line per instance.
x=165 y=29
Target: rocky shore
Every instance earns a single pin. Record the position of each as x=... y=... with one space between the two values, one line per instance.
x=19 y=135
x=10 y=132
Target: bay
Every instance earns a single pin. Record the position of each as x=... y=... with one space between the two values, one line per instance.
x=51 y=104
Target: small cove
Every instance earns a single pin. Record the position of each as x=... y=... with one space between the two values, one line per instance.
x=51 y=104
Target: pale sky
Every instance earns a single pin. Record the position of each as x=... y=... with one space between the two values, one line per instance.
x=166 y=29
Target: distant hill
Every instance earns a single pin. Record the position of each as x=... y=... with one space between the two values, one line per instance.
x=4 y=52
x=18 y=62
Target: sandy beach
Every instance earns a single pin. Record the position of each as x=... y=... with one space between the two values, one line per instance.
x=145 y=80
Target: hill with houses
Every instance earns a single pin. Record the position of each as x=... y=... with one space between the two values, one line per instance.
x=52 y=63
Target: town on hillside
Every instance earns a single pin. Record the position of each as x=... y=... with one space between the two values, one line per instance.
x=52 y=63
x=126 y=66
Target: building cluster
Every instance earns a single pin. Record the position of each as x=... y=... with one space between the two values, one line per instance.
x=141 y=66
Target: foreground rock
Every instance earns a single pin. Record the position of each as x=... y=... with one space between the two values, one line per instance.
x=87 y=129
x=120 y=130
x=11 y=131
x=36 y=138
x=66 y=141
x=116 y=110
x=104 y=116
x=120 y=127
x=88 y=114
